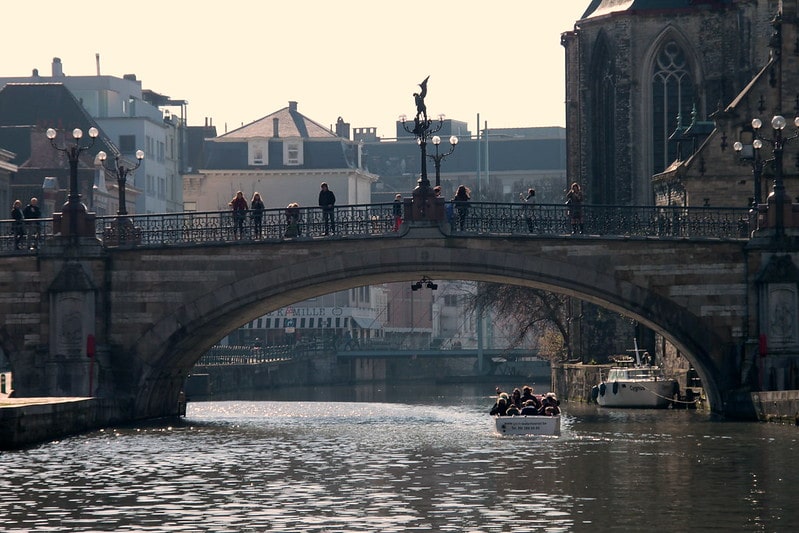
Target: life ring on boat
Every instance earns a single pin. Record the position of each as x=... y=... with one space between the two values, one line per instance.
x=615 y=387
x=602 y=388
x=594 y=393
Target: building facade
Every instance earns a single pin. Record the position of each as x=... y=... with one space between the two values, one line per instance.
x=284 y=156
x=497 y=164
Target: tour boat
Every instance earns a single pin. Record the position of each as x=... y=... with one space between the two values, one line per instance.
x=633 y=384
x=528 y=425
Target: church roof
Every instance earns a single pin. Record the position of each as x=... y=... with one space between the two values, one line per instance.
x=286 y=122
x=599 y=8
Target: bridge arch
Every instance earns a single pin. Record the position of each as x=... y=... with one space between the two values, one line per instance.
x=652 y=282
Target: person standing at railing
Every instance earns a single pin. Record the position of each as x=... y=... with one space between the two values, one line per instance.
x=32 y=213
x=257 y=213
x=461 y=201
x=574 y=199
x=239 y=206
x=397 y=212
x=529 y=202
x=327 y=201
x=293 y=220
x=17 y=226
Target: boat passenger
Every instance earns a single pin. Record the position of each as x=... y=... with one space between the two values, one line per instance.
x=529 y=408
x=512 y=411
x=516 y=398
x=500 y=407
x=527 y=395
x=549 y=405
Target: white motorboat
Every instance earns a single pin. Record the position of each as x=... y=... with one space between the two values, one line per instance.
x=634 y=384
x=528 y=425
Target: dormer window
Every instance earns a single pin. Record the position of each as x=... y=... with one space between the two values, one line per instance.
x=258 y=152
x=292 y=152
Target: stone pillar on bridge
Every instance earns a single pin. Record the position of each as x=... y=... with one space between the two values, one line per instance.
x=68 y=369
x=425 y=206
x=774 y=362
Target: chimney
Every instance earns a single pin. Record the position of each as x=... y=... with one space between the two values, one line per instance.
x=292 y=105
x=97 y=60
x=275 y=127
x=58 y=70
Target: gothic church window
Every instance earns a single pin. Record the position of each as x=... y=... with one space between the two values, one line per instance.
x=672 y=95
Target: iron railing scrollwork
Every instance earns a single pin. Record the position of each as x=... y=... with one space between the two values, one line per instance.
x=483 y=219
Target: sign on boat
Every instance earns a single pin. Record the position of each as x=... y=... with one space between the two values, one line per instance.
x=528 y=425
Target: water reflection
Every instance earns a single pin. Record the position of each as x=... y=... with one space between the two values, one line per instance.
x=403 y=459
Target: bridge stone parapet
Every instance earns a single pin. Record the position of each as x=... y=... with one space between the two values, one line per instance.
x=153 y=311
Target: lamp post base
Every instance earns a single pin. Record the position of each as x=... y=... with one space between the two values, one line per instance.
x=426 y=206
x=74 y=221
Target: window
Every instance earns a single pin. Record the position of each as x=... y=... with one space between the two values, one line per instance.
x=293 y=153
x=127 y=144
x=672 y=95
x=258 y=152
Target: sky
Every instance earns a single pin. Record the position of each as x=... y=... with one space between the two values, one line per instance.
x=237 y=61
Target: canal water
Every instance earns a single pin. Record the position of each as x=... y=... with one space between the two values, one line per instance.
x=406 y=459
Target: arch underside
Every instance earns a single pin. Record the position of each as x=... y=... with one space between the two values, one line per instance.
x=176 y=342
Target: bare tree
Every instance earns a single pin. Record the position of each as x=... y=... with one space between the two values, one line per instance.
x=530 y=310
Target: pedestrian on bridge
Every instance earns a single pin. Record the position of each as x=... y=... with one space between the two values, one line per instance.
x=327 y=200
x=397 y=212
x=239 y=205
x=461 y=201
x=17 y=226
x=574 y=199
x=257 y=213
x=293 y=220
x=32 y=214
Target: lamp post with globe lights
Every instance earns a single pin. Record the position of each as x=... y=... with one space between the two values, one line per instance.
x=74 y=209
x=757 y=163
x=777 y=141
x=121 y=173
x=437 y=157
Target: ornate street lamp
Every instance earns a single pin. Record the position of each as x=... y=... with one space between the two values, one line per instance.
x=778 y=142
x=122 y=174
x=74 y=207
x=757 y=164
x=453 y=141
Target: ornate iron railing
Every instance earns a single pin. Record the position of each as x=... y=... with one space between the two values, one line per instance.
x=24 y=238
x=377 y=221
x=603 y=220
x=246 y=355
x=270 y=225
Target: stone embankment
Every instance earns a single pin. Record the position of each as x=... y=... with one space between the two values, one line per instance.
x=28 y=421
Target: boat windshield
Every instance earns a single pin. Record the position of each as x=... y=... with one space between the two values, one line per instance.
x=648 y=373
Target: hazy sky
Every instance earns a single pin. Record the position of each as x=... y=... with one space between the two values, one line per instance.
x=239 y=60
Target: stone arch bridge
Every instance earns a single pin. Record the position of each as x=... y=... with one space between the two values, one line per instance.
x=148 y=311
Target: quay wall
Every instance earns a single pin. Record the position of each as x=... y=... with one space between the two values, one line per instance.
x=29 y=421
x=573 y=382
x=777 y=406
